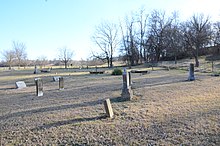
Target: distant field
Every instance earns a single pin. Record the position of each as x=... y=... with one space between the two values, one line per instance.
x=167 y=109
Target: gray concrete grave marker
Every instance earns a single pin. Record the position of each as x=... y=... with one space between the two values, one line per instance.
x=191 y=72
x=20 y=84
x=39 y=86
x=61 y=83
x=127 y=93
x=108 y=108
x=56 y=78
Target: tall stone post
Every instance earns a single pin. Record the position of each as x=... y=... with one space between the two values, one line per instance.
x=35 y=69
x=126 y=90
x=61 y=83
x=129 y=76
x=191 y=72
x=39 y=86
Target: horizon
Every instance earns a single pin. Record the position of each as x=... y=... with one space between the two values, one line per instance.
x=44 y=26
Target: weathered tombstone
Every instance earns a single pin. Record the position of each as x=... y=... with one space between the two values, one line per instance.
x=108 y=108
x=20 y=84
x=56 y=78
x=35 y=69
x=61 y=83
x=126 y=90
x=191 y=72
x=129 y=75
x=39 y=86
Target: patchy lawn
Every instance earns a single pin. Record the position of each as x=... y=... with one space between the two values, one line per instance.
x=167 y=110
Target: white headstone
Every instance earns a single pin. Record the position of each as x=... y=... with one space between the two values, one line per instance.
x=20 y=84
x=56 y=78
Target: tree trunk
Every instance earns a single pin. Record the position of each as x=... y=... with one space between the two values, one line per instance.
x=65 y=64
x=196 y=61
x=111 y=64
x=175 y=59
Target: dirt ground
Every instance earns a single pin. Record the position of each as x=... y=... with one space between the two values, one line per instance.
x=167 y=109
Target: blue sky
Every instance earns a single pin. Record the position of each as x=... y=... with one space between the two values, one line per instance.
x=45 y=26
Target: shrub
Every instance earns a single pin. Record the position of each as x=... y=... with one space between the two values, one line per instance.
x=117 y=71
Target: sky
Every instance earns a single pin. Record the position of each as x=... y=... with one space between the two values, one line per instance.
x=44 y=26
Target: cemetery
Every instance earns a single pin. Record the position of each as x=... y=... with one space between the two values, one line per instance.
x=178 y=106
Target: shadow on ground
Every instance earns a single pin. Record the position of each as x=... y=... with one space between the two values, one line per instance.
x=67 y=122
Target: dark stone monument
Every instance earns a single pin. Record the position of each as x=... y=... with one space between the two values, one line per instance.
x=127 y=93
x=61 y=83
x=39 y=86
x=108 y=108
x=35 y=69
x=191 y=72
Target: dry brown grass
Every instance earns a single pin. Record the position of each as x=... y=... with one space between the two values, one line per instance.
x=167 y=110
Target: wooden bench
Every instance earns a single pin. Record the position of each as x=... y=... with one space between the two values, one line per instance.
x=45 y=70
x=97 y=72
x=140 y=71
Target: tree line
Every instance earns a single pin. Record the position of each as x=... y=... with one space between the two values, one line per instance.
x=156 y=36
x=140 y=38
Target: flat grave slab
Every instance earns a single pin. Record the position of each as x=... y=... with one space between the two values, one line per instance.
x=20 y=84
x=56 y=78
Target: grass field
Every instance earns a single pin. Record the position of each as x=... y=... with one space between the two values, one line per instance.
x=167 y=109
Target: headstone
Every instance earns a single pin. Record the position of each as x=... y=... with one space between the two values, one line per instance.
x=56 y=78
x=20 y=84
x=191 y=72
x=39 y=86
x=108 y=108
x=127 y=92
x=61 y=83
x=129 y=75
x=35 y=69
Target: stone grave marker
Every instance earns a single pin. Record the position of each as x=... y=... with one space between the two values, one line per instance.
x=127 y=93
x=39 y=86
x=56 y=78
x=108 y=108
x=20 y=84
x=61 y=83
x=191 y=72
x=35 y=69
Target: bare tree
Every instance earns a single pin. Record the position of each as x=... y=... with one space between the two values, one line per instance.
x=9 y=57
x=174 y=38
x=105 y=37
x=197 y=34
x=65 y=55
x=216 y=36
x=20 y=52
x=42 y=61
x=130 y=41
x=142 y=22
x=159 y=24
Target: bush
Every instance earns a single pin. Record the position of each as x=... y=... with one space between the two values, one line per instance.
x=117 y=71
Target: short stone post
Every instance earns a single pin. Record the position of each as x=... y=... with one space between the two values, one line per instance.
x=126 y=90
x=108 y=108
x=39 y=86
x=191 y=72
x=61 y=83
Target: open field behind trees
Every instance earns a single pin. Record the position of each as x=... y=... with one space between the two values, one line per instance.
x=167 y=109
